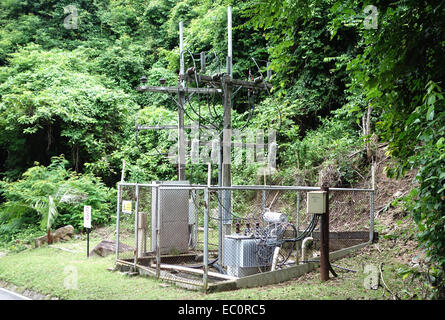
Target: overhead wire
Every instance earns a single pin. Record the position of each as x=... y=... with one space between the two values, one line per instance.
x=137 y=137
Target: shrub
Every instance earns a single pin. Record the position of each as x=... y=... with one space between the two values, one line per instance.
x=70 y=191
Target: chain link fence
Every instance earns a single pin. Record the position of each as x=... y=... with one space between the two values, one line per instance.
x=186 y=233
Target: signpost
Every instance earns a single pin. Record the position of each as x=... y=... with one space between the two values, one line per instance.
x=87 y=225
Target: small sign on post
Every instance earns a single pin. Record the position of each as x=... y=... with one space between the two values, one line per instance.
x=126 y=206
x=87 y=225
x=87 y=217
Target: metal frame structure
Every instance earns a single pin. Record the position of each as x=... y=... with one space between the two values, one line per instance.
x=220 y=83
x=157 y=270
x=216 y=84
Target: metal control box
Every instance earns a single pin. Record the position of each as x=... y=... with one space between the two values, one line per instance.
x=316 y=202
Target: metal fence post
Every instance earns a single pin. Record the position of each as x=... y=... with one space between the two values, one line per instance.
x=158 y=232
x=371 y=216
x=136 y=207
x=117 y=220
x=146 y=228
x=298 y=212
x=195 y=228
x=206 y=238
x=263 y=200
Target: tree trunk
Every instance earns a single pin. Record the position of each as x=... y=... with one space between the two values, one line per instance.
x=49 y=137
x=50 y=240
x=75 y=157
x=366 y=124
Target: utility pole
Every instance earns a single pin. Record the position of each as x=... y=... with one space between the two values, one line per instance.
x=227 y=133
x=181 y=99
x=226 y=164
x=180 y=90
x=215 y=84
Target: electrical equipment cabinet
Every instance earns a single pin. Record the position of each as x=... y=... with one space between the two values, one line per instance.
x=174 y=233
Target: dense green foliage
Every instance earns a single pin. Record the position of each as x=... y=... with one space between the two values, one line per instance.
x=70 y=90
x=394 y=67
x=401 y=74
x=52 y=104
x=27 y=200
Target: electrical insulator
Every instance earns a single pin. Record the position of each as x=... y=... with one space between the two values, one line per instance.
x=272 y=155
x=247 y=230
x=274 y=217
x=237 y=225
x=214 y=155
x=195 y=151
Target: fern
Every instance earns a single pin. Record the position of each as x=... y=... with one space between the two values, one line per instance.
x=48 y=210
x=47 y=197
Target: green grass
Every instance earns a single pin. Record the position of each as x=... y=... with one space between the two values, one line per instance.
x=49 y=270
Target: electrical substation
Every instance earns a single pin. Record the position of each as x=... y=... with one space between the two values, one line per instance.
x=205 y=236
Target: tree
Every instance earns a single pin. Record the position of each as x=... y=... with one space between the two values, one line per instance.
x=48 y=210
x=400 y=72
x=53 y=104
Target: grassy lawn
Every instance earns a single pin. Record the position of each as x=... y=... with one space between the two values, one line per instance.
x=50 y=271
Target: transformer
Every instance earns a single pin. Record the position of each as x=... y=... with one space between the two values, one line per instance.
x=242 y=255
